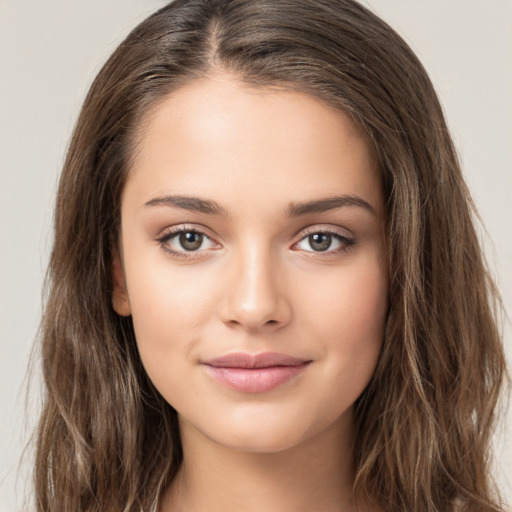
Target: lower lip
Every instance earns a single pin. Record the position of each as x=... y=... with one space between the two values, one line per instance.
x=255 y=380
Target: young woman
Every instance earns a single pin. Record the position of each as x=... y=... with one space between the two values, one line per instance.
x=266 y=291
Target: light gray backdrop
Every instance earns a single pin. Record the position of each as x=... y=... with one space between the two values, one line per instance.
x=49 y=53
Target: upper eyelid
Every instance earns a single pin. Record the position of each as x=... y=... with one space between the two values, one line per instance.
x=180 y=228
x=325 y=228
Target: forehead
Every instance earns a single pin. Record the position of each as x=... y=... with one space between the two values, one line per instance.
x=219 y=136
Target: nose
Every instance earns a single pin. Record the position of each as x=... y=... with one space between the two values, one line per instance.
x=253 y=298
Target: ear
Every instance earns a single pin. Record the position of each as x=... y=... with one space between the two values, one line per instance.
x=120 y=301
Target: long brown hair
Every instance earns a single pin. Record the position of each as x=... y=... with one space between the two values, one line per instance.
x=107 y=441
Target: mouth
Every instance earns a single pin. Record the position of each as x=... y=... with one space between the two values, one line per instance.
x=259 y=373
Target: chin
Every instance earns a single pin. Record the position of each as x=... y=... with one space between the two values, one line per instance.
x=260 y=442
x=260 y=431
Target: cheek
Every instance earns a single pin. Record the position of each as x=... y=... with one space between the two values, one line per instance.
x=351 y=303
x=169 y=310
x=348 y=315
x=365 y=303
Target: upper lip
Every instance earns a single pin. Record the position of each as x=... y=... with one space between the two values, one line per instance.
x=263 y=360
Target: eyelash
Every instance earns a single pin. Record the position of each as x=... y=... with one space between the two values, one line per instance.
x=167 y=236
x=346 y=243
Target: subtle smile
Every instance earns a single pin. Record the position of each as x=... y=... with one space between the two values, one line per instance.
x=259 y=373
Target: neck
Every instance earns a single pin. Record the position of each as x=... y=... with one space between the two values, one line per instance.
x=316 y=475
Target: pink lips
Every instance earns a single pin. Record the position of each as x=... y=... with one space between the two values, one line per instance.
x=258 y=373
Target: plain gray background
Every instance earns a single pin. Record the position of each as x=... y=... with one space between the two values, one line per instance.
x=49 y=53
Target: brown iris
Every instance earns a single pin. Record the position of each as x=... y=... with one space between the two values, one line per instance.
x=191 y=240
x=320 y=241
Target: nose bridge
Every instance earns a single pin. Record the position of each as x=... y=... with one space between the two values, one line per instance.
x=254 y=297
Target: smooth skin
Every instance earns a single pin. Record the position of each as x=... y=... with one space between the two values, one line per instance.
x=252 y=221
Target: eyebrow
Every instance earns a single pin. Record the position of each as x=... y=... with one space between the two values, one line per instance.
x=327 y=204
x=196 y=204
x=193 y=204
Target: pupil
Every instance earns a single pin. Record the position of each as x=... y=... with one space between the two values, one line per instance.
x=320 y=241
x=190 y=240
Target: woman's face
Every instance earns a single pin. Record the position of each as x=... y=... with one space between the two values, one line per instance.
x=253 y=262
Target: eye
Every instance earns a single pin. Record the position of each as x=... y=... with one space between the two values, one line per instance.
x=182 y=241
x=324 y=242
